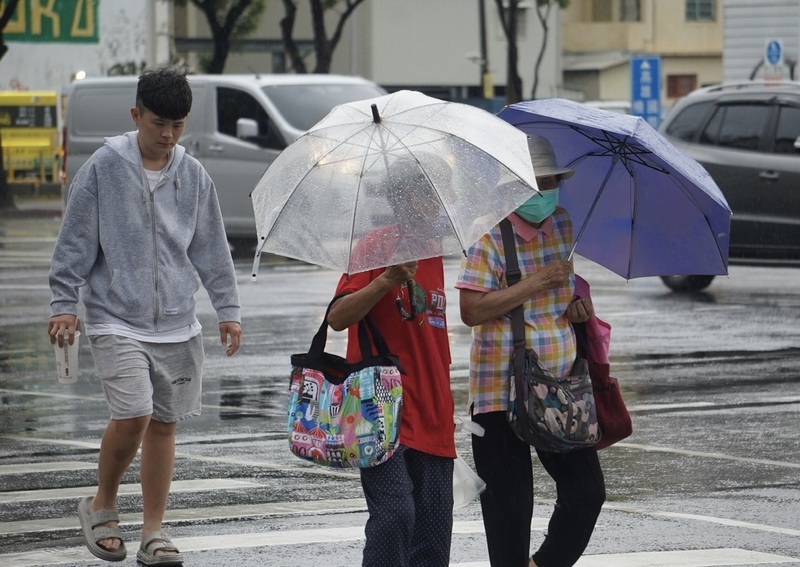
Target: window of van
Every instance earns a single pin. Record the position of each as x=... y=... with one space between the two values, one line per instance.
x=233 y=104
x=304 y=105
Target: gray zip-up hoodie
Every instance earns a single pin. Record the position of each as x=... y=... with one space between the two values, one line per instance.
x=138 y=253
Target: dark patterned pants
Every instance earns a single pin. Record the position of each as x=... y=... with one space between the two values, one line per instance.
x=410 y=502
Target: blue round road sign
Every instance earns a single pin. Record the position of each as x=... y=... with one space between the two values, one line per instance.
x=773 y=52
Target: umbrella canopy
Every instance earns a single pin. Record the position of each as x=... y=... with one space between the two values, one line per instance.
x=640 y=207
x=389 y=180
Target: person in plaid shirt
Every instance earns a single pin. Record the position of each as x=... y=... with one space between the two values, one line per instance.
x=543 y=234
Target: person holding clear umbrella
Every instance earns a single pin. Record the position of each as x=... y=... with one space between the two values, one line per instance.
x=543 y=236
x=410 y=496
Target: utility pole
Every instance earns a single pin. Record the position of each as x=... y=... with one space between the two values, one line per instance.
x=487 y=84
x=158 y=51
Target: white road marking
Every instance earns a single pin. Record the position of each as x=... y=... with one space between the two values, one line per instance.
x=628 y=314
x=310 y=469
x=705 y=455
x=684 y=558
x=239 y=511
x=724 y=557
x=199 y=485
x=33 y=468
x=27 y=287
x=687 y=405
x=709 y=519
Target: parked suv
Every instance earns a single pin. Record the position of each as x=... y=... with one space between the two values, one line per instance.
x=747 y=135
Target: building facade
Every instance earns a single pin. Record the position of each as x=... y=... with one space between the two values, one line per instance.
x=52 y=43
x=599 y=37
x=428 y=45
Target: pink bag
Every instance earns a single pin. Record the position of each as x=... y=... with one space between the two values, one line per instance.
x=598 y=332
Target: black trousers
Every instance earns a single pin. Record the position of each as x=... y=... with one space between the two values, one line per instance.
x=503 y=461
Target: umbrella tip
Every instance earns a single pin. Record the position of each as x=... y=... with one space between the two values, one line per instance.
x=376 y=118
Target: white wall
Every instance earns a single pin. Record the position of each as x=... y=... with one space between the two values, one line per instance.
x=420 y=42
x=123 y=31
x=747 y=27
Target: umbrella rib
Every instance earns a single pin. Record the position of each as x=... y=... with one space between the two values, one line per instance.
x=609 y=144
x=444 y=135
x=444 y=206
x=594 y=204
x=453 y=224
x=697 y=206
x=614 y=145
x=377 y=129
x=632 y=173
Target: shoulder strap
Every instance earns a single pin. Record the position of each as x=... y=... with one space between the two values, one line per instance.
x=513 y=276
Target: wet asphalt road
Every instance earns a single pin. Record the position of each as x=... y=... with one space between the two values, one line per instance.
x=713 y=468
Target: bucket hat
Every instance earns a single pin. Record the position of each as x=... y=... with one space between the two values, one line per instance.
x=543 y=158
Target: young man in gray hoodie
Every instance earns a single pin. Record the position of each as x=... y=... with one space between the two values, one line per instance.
x=142 y=223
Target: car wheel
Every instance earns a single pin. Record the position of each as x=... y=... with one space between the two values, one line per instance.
x=687 y=283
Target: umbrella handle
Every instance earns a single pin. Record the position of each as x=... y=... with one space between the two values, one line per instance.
x=409 y=285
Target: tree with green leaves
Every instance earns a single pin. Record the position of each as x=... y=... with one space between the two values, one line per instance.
x=323 y=45
x=228 y=20
x=508 y=10
x=6 y=198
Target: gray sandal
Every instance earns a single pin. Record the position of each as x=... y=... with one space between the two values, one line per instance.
x=158 y=541
x=94 y=531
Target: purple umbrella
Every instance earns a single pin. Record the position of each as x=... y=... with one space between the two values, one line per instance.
x=640 y=207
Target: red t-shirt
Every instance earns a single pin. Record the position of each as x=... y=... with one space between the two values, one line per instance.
x=423 y=349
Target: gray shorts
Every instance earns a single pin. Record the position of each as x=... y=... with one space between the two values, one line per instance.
x=159 y=379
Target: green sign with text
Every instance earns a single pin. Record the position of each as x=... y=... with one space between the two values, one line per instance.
x=54 y=21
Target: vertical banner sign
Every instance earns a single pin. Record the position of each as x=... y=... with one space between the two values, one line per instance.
x=53 y=21
x=646 y=89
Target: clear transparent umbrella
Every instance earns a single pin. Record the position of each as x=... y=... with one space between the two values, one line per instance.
x=389 y=180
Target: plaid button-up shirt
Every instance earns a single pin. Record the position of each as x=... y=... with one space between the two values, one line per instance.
x=547 y=329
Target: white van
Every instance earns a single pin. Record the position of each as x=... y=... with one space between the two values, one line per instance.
x=237 y=126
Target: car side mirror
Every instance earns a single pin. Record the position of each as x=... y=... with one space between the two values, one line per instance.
x=246 y=128
x=797 y=143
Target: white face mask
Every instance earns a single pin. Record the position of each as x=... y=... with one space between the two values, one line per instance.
x=539 y=207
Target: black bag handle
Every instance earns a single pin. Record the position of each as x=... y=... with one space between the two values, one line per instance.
x=368 y=334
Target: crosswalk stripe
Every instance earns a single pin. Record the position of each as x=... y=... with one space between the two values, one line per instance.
x=697 y=517
x=58 y=466
x=705 y=455
x=726 y=557
x=198 y=485
x=215 y=513
x=722 y=557
x=46 y=557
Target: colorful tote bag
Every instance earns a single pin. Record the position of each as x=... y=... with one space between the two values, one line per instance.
x=341 y=414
